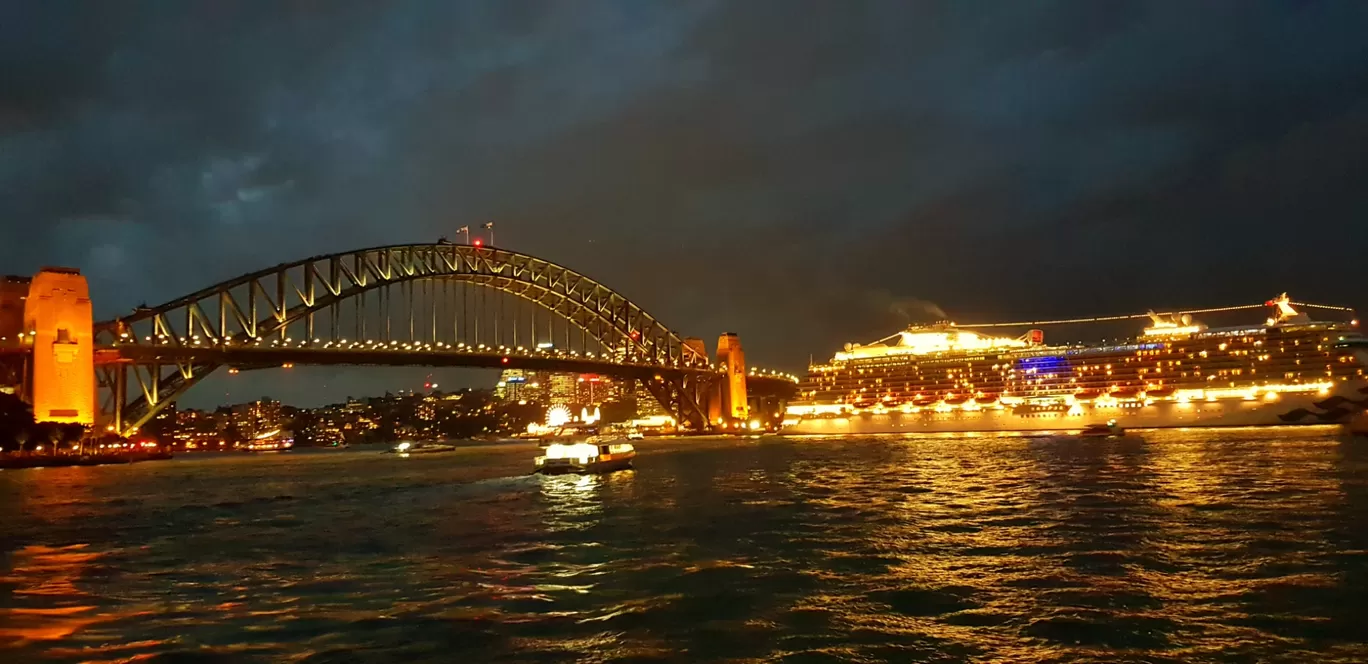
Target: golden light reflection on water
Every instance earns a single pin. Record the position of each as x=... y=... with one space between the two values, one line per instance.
x=45 y=603
x=1080 y=546
x=1197 y=546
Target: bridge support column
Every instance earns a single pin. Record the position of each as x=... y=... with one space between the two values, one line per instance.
x=58 y=316
x=733 y=395
x=120 y=389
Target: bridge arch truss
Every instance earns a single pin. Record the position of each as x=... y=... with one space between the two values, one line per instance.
x=401 y=294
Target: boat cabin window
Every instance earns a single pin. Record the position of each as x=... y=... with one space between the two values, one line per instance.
x=603 y=449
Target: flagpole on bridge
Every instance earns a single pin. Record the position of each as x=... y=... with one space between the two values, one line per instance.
x=489 y=226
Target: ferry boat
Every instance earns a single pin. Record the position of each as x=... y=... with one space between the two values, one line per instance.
x=1289 y=369
x=271 y=441
x=410 y=447
x=584 y=458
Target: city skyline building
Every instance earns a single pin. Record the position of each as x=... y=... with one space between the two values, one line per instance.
x=257 y=417
x=512 y=385
x=561 y=389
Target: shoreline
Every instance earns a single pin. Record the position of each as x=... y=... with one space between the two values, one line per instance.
x=67 y=461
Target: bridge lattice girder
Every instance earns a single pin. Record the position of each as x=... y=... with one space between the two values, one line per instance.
x=274 y=303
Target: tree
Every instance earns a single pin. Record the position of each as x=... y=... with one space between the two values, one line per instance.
x=70 y=434
x=45 y=435
x=16 y=419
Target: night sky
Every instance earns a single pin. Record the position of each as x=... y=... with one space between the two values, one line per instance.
x=801 y=173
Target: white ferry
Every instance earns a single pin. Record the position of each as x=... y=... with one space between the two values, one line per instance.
x=585 y=458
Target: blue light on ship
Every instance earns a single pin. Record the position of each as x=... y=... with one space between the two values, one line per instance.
x=1042 y=365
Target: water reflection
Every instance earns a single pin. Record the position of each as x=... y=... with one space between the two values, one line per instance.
x=575 y=502
x=44 y=602
x=1196 y=546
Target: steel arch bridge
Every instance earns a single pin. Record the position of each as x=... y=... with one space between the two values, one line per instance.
x=415 y=304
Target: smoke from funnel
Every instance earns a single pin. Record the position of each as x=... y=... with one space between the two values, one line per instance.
x=913 y=310
x=882 y=311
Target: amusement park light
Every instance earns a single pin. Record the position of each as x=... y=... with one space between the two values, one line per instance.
x=557 y=416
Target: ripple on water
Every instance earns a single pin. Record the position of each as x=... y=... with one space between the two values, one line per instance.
x=926 y=602
x=1191 y=547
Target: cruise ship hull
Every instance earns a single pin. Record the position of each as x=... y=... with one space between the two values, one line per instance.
x=1288 y=409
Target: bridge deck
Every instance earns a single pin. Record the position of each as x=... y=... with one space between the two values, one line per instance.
x=251 y=358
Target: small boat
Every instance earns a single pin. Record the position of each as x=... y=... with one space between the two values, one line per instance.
x=1108 y=430
x=408 y=447
x=585 y=458
x=636 y=435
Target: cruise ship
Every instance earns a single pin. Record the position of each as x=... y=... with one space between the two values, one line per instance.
x=1285 y=370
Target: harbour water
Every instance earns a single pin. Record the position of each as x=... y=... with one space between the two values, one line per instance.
x=1186 y=546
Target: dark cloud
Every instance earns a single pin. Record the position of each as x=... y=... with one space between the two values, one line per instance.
x=787 y=170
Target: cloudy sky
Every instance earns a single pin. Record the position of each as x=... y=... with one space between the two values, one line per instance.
x=802 y=173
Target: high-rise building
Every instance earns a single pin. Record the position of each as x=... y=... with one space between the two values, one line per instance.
x=256 y=418
x=512 y=385
x=592 y=389
x=622 y=389
x=536 y=388
x=561 y=389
